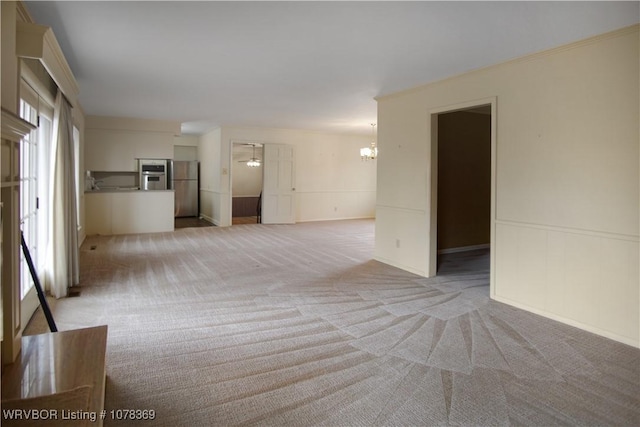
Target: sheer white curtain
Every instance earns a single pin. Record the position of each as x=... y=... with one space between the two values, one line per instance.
x=62 y=270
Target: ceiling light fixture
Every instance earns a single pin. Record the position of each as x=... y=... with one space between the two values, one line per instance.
x=370 y=153
x=253 y=162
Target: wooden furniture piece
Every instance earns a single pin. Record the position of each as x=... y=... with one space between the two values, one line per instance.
x=55 y=363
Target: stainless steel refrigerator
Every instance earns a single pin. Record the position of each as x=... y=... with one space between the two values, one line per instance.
x=183 y=178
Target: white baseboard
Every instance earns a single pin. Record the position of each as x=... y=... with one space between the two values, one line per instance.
x=334 y=219
x=208 y=218
x=464 y=249
x=580 y=325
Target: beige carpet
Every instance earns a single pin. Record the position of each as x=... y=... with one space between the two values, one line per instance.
x=298 y=326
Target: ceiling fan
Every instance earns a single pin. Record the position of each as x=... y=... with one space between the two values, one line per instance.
x=253 y=162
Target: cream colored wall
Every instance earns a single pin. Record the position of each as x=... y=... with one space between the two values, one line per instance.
x=185 y=147
x=566 y=241
x=331 y=180
x=9 y=64
x=209 y=146
x=113 y=143
x=186 y=140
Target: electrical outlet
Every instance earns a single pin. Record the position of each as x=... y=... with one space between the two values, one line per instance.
x=397 y=243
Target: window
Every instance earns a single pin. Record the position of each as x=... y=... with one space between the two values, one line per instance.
x=34 y=182
x=29 y=195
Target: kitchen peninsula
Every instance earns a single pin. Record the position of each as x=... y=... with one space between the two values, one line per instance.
x=120 y=211
x=116 y=203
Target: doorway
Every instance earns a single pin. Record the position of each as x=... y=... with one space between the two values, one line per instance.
x=246 y=182
x=34 y=203
x=463 y=185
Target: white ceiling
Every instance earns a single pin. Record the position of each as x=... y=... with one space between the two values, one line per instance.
x=305 y=65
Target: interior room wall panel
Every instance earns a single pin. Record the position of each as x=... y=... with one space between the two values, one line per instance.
x=567 y=184
x=400 y=238
x=210 y=171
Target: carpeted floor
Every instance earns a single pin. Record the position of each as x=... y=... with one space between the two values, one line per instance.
x=298 y=326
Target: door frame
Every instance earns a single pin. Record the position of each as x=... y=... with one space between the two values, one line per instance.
x=232 y=166
x=35 y=96
x=264 y=167
x=432 y=262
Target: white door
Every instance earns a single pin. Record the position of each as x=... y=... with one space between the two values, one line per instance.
x=278 y=191
x=29 y=215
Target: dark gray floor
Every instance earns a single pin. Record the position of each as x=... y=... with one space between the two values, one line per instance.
x=194 y=221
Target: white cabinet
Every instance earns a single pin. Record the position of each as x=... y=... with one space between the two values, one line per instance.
x=97 y=213
x=129 y=212
x=142 y=212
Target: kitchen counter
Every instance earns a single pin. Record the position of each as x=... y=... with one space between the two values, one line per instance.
x=111 y=190
x=129 y=211
x=124 y=190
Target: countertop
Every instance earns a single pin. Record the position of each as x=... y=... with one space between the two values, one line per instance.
x=123 y=190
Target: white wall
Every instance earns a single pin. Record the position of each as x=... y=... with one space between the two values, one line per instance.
x=186 y=140
x=209 y=147
x=567 y=186
x=113 y=144
x=331 y=180
x=185 y=147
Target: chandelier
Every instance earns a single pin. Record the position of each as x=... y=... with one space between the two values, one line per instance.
x=371 y=152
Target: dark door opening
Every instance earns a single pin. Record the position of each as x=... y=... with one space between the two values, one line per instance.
x=464 y=185
x=246 y=183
